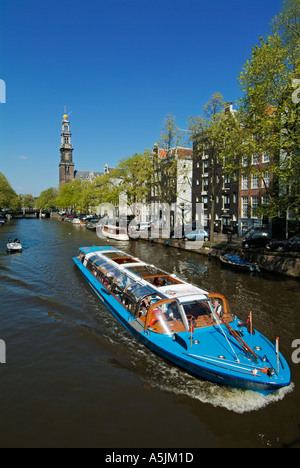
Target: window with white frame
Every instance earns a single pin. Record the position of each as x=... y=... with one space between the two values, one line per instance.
x=255 y=181
x=254 y=206
x=266 y=158
x=244 y=207
x=267 y=178
x=245 y=182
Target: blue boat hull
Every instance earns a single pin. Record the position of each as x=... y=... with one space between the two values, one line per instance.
x=192 y=355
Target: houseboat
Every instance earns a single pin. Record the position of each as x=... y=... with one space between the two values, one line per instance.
x=190 y=327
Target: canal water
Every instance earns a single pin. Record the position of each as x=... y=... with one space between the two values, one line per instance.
x=74 y=377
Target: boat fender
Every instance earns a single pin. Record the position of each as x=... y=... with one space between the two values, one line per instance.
x=153 y=321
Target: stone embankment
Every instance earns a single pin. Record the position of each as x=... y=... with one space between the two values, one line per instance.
x=287 y=264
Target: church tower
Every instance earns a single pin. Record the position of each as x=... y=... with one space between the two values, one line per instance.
x=66 y=165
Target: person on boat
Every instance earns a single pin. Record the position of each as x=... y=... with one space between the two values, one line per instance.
x=157 y=282
x=17 y=241
x=144 y=307
x=173 y=312
x=9 y=241
x=218 y=308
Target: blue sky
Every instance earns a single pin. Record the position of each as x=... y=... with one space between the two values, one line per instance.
x=120 y=66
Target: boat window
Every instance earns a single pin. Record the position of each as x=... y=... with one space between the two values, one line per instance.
x=109 y=277
x=114 y=254
x=120 y=257
x=162 y=280
x=123 y=260
x=118 y=292
x=81 y=256
x=90 y=264
x=165 y=317
x=198 y=313
x=106 y=267
x=220 y=306
x=145 y=303
x=124 y=282
x=130 y=304
x=100 y=261
x=146 y=270
x=137 y=291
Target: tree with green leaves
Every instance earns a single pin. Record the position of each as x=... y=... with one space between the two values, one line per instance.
x=47 y=199
x=134 y=174
x=71 y=195
x=271 y=122
x=8 y=197
x=214 y=135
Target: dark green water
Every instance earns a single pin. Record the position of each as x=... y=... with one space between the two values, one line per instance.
x=74 y=378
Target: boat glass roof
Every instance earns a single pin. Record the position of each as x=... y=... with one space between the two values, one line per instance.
x=115 y=254
x=124 y=281
x=145 y=270
x=138 y=291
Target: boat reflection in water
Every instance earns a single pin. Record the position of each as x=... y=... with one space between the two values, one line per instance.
x=188 y=326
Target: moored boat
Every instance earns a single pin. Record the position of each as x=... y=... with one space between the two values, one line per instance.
x=190 y=327
x=235 y=261
x=114 y=232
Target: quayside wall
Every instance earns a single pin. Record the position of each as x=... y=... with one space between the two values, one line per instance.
x=287 y=264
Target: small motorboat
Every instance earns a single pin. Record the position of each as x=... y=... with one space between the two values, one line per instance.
x=235 y=261
x=13 y=247
x=190 y=327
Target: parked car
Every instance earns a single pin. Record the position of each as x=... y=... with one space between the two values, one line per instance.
x=197 y=235
x=289 y=245
x=256 y=239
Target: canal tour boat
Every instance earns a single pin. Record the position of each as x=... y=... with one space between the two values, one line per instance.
x=190 y=327
x=115 y=232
